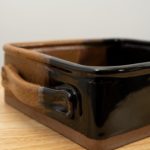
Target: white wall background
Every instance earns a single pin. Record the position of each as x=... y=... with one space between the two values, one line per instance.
x=32 y=20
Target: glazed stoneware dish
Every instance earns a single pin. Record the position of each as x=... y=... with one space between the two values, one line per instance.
x=95 y=92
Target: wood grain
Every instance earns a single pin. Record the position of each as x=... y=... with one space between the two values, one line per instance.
x=19 y=132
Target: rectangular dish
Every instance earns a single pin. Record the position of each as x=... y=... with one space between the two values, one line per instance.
x=95 y=92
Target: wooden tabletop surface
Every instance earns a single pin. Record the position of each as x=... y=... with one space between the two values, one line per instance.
x=19 y=132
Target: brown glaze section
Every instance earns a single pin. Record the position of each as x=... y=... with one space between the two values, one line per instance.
x=27 y=93
x=34 y=95
x=30 y=70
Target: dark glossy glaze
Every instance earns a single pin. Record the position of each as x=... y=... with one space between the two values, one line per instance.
x=111 y=99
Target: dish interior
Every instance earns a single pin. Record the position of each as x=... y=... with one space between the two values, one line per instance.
x=100 y=53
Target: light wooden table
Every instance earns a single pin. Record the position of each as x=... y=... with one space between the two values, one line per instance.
x=19 y=132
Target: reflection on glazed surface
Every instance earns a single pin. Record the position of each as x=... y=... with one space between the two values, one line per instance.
x=122 y=105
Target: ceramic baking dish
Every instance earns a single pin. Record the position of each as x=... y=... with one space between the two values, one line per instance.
x=95 y=92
